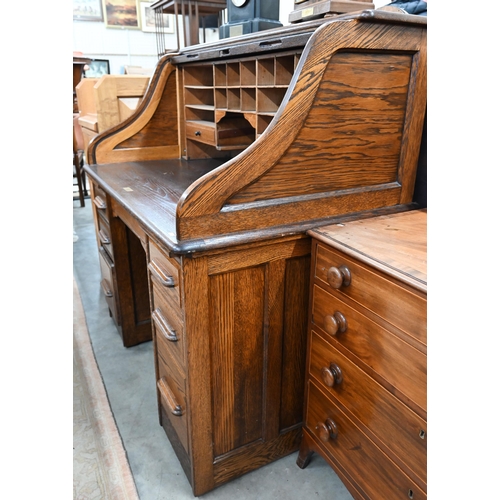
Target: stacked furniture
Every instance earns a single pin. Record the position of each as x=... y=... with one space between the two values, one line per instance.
x=107 y=101
x=202 y=201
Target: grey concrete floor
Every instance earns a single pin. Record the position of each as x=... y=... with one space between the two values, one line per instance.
x=129 y=378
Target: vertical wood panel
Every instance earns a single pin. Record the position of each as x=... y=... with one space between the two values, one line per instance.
x=195 y=298
x=237 y=340
x=275 y=292
x=294 y=340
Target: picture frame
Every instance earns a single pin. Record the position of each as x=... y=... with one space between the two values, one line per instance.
x=87 y=10
x=121 y=14
x=97 y=68
x=148 y=19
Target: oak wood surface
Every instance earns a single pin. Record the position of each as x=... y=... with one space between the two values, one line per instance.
x=230 y=229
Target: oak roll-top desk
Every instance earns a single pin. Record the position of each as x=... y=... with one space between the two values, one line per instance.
x=202 y=203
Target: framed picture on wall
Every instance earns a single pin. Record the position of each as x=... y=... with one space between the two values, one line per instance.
x=121 y=14
x=148 y=19
x=97 y=68
x=87 y=10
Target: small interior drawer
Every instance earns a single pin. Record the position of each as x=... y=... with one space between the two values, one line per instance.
x=381 y=412
x=383 y=354
x=172 y=391
x=108 y=282
x=201 y=131
x=405 y=309
x=352 y=450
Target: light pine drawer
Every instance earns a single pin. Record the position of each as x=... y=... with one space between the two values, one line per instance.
x=388 y=358
x=397 y=429
x=403 y=308
x=353 y=451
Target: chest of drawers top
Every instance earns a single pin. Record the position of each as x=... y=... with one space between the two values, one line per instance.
x=393 y=244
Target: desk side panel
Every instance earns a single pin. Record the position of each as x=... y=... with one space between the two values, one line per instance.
x=345 y=139
x=151 y=132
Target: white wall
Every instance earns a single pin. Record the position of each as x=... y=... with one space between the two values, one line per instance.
x=132 y=47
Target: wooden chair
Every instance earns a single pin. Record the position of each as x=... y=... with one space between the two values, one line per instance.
x=78 y=172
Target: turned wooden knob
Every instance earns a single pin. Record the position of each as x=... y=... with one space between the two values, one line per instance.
x=327 y=430
x=335 y=323
x=331 y=375
x=338 y=277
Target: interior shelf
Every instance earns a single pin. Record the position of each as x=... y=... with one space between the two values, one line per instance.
x=239 y=97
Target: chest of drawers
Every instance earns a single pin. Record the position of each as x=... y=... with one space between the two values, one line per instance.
x=366 y=411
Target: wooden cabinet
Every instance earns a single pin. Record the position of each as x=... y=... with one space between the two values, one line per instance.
x=237 y=149
x=366 y=410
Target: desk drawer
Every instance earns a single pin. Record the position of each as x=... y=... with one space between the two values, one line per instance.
x=395 y=361
x=165 y=273
x=353 y=451
x=172 y=389
x=104 y=234
x=100 y=200
x=392 y=423
x=393 y=303
x=168 y=324
x=201 y=131
x=108 y=282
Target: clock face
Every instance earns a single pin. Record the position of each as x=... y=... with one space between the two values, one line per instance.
x=239 y=3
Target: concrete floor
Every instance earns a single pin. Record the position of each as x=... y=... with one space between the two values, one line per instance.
x=129 y=378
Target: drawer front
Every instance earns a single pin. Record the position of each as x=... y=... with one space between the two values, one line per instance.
x=108 y=283
x=393 y=303
x=201 y=132
x=168 y=324
x=172 y=389
x=104 y=234
x=345 y=444
x=392 y=424
x=398 y=363
x=165 y=273
x=100 y=201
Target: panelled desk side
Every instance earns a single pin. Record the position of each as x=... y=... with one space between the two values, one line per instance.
x=203 y=242
x=366 y=390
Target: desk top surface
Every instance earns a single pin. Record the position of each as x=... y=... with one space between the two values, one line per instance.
x=150 y=190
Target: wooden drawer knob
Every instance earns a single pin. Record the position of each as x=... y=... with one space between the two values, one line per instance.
x=327 y=430
x=335 y=323
x=338 y=277
x=331 y=375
